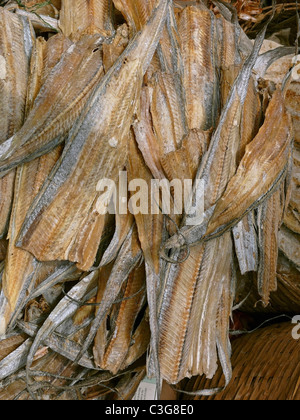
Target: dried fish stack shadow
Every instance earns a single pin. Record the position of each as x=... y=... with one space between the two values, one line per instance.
x=165 y=92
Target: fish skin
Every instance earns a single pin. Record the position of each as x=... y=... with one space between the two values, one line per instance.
x=16 y=359
x=136 y=13
x=145 y=135
x=244 y=232
x=129 y=256
x=124 y=223
x=16 y=42
x=150 y=226
x=86 y=17
x=128 y=384
x=167 y=111
x=151 y=232
x=101 y=337
x=107 y=116
x=191 y=350
x=164 y=85
x=56 y=109
x=196 y=30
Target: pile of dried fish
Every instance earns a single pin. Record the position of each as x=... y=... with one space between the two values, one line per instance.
x=160 y=90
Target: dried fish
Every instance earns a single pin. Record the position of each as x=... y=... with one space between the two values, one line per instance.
x=140 y=341
x=145 y=136
x=270 y=216
x=21 y=269
x=185 y=353
x=16 y=42
x=57 y=105
x=271 y=165
x=42 y=23
x=129 y=256
x=86 y=17
x=10 y=343
x=197 y=30
x=120 y=335
x=289 y=245
x=98 y=288
x=15 y=360
x=164 y=91
x=70 y=230
x=65 y=309
x=3 y=249
x=113 y=50
x=59 y=344
x=245 y=240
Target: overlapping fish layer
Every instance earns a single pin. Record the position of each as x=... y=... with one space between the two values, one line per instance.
x=163 y=93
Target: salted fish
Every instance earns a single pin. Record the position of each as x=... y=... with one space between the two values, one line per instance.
x=190 y=282
x=16 y=43
x=106 y=118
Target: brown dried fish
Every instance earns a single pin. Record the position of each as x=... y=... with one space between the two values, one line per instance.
x=58 y=104
x=22 y=272
x=75 y=234
x=3 y=249
x=292 y=214
x=164 y=92
x=271 y=164
x=129 y=256
x=140 y=341
x=197 y=30
x=120 y=335
x=188 y=351
x=86 y=17
x=289 y=245
x=20 y=266
x=136 y=12
x=113 y=50
x=270 y=216
x=16 y=42
x=267 y=161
